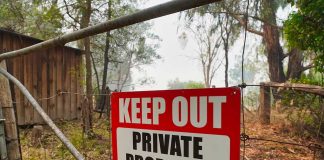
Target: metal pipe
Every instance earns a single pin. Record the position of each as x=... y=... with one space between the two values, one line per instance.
x=140 y=16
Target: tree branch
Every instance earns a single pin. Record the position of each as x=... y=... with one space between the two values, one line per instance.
x=140 y=16
x=310 y=66
x=68 y=12
x=287 y=54
x=243 y=23
x=242 y=14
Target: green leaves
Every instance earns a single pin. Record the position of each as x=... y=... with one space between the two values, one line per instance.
x=40 y=19
x=304 y=29
x=177 y=84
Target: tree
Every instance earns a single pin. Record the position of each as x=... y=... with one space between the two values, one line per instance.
x=40 y=19
x=208 y=41
x=194 y=85
x=224 y=25
x=132 y=47
x=271 y=37
x=80 y=13
x=304 y=29
x=229 y=32
x=262 y=22
x=87 y=109
x=177 y=84
x=122 y=50
x=102 y=98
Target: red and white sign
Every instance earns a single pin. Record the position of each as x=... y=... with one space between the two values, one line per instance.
x=176 y=124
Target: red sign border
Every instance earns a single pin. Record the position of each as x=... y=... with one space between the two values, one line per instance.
x=233 y=99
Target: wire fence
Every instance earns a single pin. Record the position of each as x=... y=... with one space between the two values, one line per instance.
x=47 y=146
x=83 y=142
x=244 y=137
x=315 y=148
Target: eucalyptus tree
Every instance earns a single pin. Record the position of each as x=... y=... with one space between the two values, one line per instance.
x=117 y=52
x=208 y=43
x=78 y=15
x=86 y=11
x=224 y=26
x=262 y=21
x=304 y=29
x=177 y=84
x=40 y=19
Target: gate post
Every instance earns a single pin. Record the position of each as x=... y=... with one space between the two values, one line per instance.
x=265 y=105
x=3 y=147
x=12 y=139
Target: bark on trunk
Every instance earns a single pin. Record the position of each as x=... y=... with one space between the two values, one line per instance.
x=106 y=102
x=105 y=73
x=95 y=71
x=274 y=53
x=226 y=31
x=87 y=109
x=226 y=64
x=265 y=106
x=11 y=132
x=271 y=39
x=295 y=65
x=106 y=62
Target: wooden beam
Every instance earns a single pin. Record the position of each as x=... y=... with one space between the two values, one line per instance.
x=140 y=16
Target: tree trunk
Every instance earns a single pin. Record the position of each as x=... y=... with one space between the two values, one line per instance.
x=87 y=109
x=95 y=71
x=274 y=53
x=225 y=35
x=295 y=65
x=265 y=107
x=106 y=62
x=226 y=62
x=105 y=73
x=271 y=39
x=9 y=116
x=106 y=102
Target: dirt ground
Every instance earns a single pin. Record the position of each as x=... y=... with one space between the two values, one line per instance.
x=47 y=146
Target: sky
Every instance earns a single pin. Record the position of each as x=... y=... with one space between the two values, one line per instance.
x=181 y=62
x=175 y=62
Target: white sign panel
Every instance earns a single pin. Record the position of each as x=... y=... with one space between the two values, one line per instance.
x=167 y=145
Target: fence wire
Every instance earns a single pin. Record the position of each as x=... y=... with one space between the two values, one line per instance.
x=313 y=147
x=244 y=137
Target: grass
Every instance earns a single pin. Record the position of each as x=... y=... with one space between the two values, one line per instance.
x=50 y=147
x=97 y=147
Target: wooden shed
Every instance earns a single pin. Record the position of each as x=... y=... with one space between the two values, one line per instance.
x=53 y=77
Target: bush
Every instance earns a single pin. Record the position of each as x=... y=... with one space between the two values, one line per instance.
x=305 y=113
